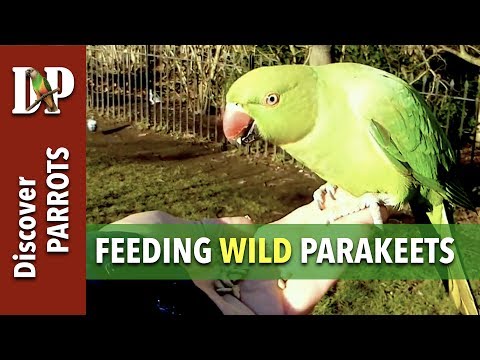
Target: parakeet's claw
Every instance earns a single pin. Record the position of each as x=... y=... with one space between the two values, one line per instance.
x=320 y=194
x=370 y=201
x=373 y=205
x=282 y=281
x=374 y=208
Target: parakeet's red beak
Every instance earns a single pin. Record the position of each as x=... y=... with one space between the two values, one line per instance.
x=236 y=123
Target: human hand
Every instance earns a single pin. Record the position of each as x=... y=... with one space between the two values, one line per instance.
x=264 y=296
x=299 y=296
x=306 y=214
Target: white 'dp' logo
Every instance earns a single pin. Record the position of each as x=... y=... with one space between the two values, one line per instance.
x=44 y=90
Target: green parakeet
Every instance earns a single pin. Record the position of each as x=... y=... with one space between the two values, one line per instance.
x=41 y=87
x=358 y=128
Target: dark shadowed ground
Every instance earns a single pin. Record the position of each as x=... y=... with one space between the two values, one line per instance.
x=129 y=171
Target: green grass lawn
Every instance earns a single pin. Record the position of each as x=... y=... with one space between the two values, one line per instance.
x=128 y=173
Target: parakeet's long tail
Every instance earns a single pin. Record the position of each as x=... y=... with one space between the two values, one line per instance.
x=458 y=286
x=51 y=106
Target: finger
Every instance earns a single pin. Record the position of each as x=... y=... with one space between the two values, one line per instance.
x=235 y=220
x=306 y=214
x=235 y=306
x=151 y=217
x=301 y=296
x=262 y=296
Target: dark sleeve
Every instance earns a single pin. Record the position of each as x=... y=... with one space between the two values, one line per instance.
x=147 y=298
x=144 y=298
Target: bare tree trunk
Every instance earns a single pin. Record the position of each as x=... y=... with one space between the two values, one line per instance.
x=477 y=130
x=320 y=55
x=477 y=126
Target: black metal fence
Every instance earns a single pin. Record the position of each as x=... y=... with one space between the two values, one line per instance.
x=181 y=89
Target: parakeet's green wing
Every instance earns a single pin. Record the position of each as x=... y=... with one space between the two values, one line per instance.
x=411 y=137
x=47 y=84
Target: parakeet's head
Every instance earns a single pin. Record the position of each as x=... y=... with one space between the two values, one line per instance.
x=276 y=102
x=32 y=73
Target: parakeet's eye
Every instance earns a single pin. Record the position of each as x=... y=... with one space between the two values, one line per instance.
x=272 y=99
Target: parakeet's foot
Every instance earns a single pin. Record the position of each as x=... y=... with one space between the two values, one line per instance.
x=370 y=201
x=320 y=194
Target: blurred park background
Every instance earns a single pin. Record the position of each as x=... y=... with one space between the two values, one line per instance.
x=160 y=144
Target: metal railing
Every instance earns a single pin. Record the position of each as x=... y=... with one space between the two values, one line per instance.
x=181 y=89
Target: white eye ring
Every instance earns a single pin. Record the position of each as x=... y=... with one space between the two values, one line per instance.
x=272 y=99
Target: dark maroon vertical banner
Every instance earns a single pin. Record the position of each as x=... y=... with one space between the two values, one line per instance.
x=42 y=247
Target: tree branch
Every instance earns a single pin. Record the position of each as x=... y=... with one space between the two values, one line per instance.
x=462 y=54
x=473 y=48
x=41 y=98
x=436 y=76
